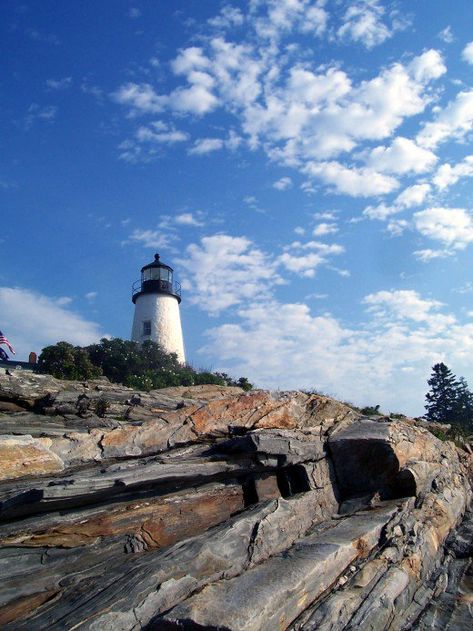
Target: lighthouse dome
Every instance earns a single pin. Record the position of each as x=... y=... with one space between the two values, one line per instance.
x=156 y=277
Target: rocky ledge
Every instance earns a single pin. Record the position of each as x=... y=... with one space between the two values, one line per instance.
x=211 y=508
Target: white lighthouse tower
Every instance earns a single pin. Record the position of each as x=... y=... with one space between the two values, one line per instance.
x=156 y=297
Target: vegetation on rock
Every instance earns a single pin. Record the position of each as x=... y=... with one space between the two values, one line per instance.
x=144 y=367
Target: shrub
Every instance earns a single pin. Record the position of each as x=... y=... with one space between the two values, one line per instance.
x=65 y=361
x=143 y=367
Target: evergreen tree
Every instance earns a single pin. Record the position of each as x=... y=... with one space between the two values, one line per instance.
x=442 y=399
x=464 y=407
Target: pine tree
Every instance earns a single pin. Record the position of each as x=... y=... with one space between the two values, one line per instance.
x=464 y=405
x=442 y=400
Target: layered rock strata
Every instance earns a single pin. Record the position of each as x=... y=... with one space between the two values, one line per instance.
x=211 y=508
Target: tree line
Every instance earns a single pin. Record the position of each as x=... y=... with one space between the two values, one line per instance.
x=144 y=367
x=449 y=399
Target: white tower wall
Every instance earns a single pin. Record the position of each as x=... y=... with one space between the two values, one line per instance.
x=162 y=311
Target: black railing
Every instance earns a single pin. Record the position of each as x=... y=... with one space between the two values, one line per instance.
x=163 y=286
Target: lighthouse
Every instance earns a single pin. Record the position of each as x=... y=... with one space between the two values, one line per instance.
x=157 y=297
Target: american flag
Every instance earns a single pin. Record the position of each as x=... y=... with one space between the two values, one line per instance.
x=3 y=340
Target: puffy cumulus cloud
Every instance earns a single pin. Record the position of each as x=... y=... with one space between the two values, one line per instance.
x=32 y=321
x=454 y=121
x=283 y=184
x=414 y=195
x=195 y=99
x=303 y=264
x=188 y=219
x=303 y=259
x=363 y=23
x=407 y=304
x=229 y=16
x=384 y=360
x=403 y=156
x=274 y=18
x=296 y=112
x=324 y=228
x=381 y=211
x=140 y=98
x=452 y=226
x=411 y=196
x=447 y=175
x=357 y=182
x=320 y=114
x=224 y=271
x=467 y=53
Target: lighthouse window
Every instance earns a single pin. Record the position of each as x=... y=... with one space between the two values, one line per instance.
x=164 y=274
x=147 y=327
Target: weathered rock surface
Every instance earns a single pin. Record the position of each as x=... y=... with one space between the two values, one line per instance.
x=210 y=508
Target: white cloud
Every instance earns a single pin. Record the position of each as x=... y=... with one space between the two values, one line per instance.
x=59 y=84
x=447 y=175
x=324 y=228
x=166 y=135
x=446 y=35
x=397 y=227
x=357 y=182
x=151 y=238
x=412 y=196
x=206 y=145
x=224 y=271
x=32 y=320
x=283 y=16
x=428 y=254
x=283 y=184
x=296 y=259
x=91 y=295
x=403 y=156
x=363 y=23
x=229 y=16
x=406 y=304
x=141 y=98
x=455 y=121
x=452 y=226
x=187 y=219
x=467 y=53
x=297 y=113
x=381 y=211
x=134 y=12
x=385 y=360
x=304 y=265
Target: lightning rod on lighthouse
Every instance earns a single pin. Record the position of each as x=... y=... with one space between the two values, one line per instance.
x=157 y=297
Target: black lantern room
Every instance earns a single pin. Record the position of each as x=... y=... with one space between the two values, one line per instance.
x=156 y=278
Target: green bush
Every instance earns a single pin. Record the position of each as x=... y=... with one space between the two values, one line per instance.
x=142 y=367
x=65 y=361
x=369 y=410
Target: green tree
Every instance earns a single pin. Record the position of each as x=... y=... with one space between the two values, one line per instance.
x=442 y=399
x=464 y=405
x=65 y=361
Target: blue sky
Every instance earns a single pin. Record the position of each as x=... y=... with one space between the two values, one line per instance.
x=305 y=166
